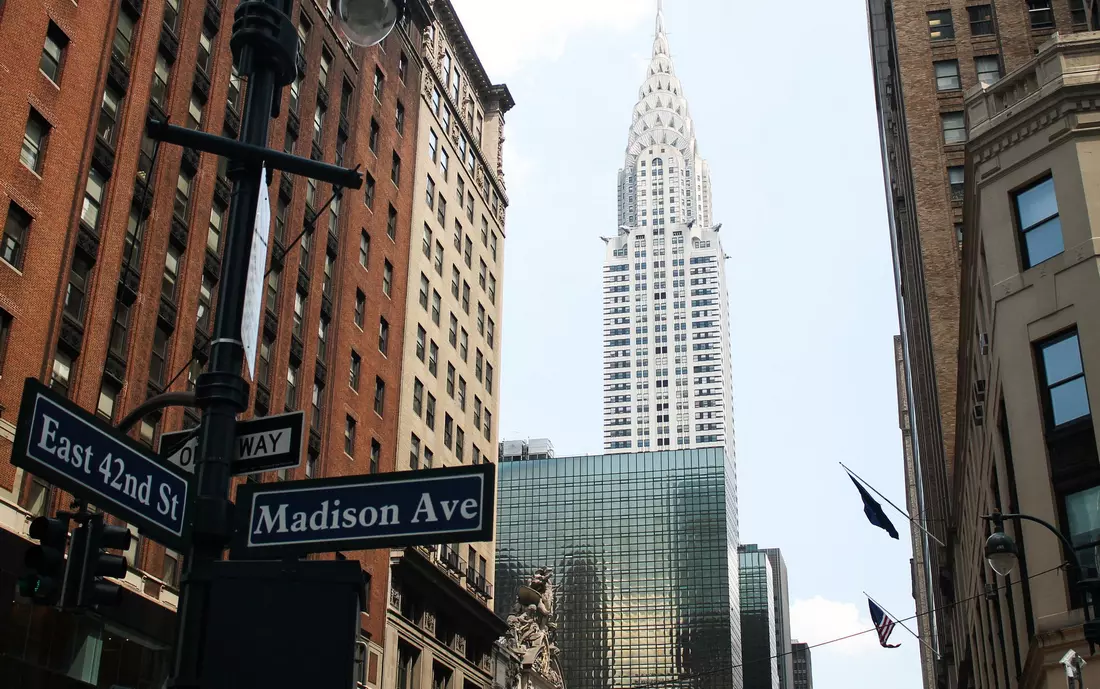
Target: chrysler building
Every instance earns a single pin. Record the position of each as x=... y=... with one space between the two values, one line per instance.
x=666 y=315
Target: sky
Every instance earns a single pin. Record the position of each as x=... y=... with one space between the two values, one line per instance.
x=787 y=122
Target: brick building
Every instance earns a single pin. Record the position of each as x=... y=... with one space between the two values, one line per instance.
x=112 y=253
x=925 y=54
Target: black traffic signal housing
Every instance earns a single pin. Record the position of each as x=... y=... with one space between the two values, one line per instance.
x=46 y=560
x=96 y=563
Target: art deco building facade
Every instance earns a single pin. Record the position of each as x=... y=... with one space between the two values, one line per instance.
x=441 y=626
x=666 y=340
x=759 y=621
x=924 y=56
x=112 y=255
x=644 y=552
x=1029 y=359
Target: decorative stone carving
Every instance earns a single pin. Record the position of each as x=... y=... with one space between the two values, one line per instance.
x=428 y=622
x=395 y=598
x=532 y=626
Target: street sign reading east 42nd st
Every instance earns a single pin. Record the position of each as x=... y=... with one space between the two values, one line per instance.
x=74 y=449
x=293 y=518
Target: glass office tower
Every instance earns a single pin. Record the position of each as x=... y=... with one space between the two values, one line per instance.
x=758 y=620
x=644 y=551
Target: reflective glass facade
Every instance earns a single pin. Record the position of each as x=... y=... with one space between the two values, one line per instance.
x=758 y=621
x=644 y=551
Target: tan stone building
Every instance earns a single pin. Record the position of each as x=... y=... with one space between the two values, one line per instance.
x=1029 y=335
x=440 y=626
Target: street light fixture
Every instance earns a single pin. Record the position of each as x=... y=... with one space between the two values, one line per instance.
x=1000 y=551
x=367 y=22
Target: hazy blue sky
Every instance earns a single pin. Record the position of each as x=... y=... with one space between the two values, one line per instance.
x=788 y=124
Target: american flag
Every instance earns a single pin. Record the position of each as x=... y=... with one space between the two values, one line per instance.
x=883 y=624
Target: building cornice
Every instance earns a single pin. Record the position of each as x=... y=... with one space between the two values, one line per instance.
x=464 y=51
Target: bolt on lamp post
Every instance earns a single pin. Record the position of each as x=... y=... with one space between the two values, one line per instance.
x=264 y=43
x=1003 y=556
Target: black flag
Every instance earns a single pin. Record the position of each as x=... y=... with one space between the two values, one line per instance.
x=873 y=510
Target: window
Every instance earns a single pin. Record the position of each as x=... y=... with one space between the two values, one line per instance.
x=334 y=217
x=364 y=248
x=448 y=431
x=461 y=188
x=379 y=396
x=456 y=80
x=429 y=412
x=263 y=364
x=464 y=345
x=53 y=53
x=1078 y=15
x=444 y=164
x=436 y=96
x=387 y=278
x=480 y=319
x=375 y=455
x=205 y=47
x=947 y=75
x=171 y=14
x=462 y=393
x=326 y=65
x=403 y=67
x=433 y=358
x=107 y=125
x=441 y=211
x=295 y=95
x=452 y=335
x=322 y=338
x=383 y=336
x=347 y=92
x=477 y=412
x=170 y=281
x=436 y=303
x=292 y=386
x=391 y=223
x=981 y=20
x=477 y=454
x=482 y=274
x=317 y=407
x=988 y=68
x=429 y=192
x=319 y=125
x=939 y=25
x=433 y=144
x=426 y=241
x=424 y=291
x=469 y=206
x=273 y=290
x=306 y=244
x=395 y=170
x=16 y=227
x=374 y=132
x=488 y=431
x=421 y=342
x=360 y=307
x=299 y=314
x=956 y=178
x=194 y=111
x=233 y=94
x=349 y=436
x=158 y=357
x=489 y=377
x=35 y=137
x=161 y=74
x=61 y=372
x=492 y=288
x=454 y=281
x=466 y=297
x=493 y=245
x=468 y=252
x=1065 y=392
x=450 y=380
x=77 y=290
x=1037 y=213
x=460 y=443
x=116 y=344
x=418 y=397
x=1041 y=14
x=214 y=232
x=206 y=295
x=954 y=127
x=379 y=84
x=485 y=228
x=438 y=258
x=92 y=198
x=479 y=364
x=414 y=452
x=399 y=118
x=490 y=333
x=181 y=207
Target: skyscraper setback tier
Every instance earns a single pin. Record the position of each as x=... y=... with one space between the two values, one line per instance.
x=644 y=553
x=666 y=315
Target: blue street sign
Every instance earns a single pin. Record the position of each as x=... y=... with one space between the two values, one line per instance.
x=452 y=505
x=72 y=448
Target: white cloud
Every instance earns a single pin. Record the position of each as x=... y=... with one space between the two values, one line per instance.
x=508 y=33
x=818 y=619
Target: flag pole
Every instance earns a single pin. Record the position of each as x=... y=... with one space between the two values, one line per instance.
x=903 y=512
x=903 y=626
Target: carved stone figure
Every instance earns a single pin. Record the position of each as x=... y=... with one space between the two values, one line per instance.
x=531 y=627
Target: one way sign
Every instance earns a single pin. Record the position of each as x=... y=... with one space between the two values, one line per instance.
x=263 y=444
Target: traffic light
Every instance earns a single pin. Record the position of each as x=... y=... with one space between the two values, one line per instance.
x=92 y=587
x=43 y=584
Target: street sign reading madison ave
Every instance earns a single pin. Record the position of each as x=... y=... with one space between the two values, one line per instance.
x=263 y=444
x=74 y=449
x=293 y=518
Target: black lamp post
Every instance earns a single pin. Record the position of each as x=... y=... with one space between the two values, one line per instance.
x=1002 y=555
x=264 y=43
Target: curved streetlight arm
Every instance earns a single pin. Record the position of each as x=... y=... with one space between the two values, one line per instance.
x=156 y=403
x=998 y=519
